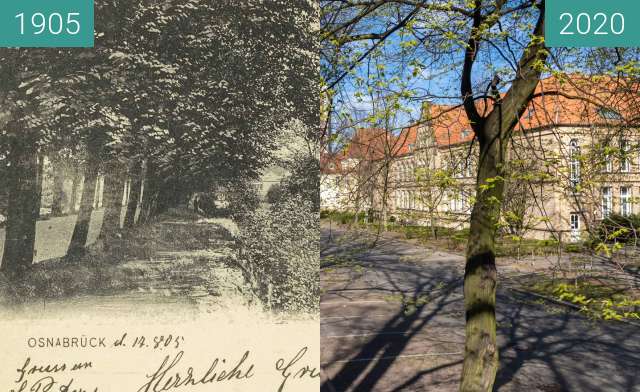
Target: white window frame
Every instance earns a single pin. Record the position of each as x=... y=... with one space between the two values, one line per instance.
x=608 y=164
x=625 y=201
x=625 y=162
x=607 y=201
x=574 y=225
x=574 y=163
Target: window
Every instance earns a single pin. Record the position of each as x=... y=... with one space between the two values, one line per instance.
x=468 y=168
x=607 y=201
x=625 y=200
x=609 y=114
x=464 y=202
x=625 y=163
x=457 y=202
x=608 y=163
x=574 y=221
x=459 y=172
x=452 y=201
x=574 y=163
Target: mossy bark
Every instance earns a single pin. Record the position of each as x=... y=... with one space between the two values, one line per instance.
x=480 y=278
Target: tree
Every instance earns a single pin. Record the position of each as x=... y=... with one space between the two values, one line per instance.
x=160 y=99
x=477 y=24
x=433 y=185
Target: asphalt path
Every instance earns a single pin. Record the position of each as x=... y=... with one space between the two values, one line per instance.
x=392 y=319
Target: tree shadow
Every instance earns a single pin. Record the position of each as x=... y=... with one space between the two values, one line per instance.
x=542 y=347
x=422 y=298
x=579 y=354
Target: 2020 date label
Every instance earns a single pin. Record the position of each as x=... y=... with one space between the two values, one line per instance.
x=592 y=23
x=47 y=24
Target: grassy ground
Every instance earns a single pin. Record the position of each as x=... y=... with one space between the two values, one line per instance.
x=53 y=235
x=176 y=255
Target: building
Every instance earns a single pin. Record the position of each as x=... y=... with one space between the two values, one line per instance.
x=573 y=159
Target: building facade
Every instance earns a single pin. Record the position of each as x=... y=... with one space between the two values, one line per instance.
x=573 y=160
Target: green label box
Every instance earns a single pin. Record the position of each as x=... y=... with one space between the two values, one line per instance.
x=46 y=23
x=592 y=23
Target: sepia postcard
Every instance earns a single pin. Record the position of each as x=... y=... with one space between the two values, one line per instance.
x=159 y=197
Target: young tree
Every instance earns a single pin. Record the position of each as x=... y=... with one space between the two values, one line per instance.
x=479 y=24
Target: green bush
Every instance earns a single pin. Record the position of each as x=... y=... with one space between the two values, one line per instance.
x=618 y=228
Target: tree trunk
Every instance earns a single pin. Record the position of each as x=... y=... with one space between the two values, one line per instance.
x=113 y=195
x=492 y=132
x=40 y=182
x=148 y=193
x=81 y=229
x=23 y=207
x=434 y=230
x=135 y=192
x=58 y=204
x=77 y=178
x=480 y=278
x=143 y=190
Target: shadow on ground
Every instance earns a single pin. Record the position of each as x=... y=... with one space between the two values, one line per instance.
x=393 y=320
x=176 y=257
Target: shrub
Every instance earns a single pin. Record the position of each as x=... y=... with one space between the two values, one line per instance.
x=243 y=199
x=618 y=228
x=280 y=253
x=274 y=193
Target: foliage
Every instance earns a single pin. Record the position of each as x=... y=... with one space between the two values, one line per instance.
x=243 y=200
x=280 y=254
x=597 y=302
x=618 y=228
x=274 y=193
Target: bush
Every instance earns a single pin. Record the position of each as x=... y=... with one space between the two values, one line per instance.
x=243 y=199
x=280 y=252
x=274 y=193
x=618 y=228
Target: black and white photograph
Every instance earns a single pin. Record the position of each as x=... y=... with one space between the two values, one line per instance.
x=159 y=201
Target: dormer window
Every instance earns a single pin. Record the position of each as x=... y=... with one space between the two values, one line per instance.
x=609 y=114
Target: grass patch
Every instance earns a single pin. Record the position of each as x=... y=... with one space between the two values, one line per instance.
x=596 y=299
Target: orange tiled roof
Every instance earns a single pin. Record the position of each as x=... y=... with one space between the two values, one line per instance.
x=581 y=102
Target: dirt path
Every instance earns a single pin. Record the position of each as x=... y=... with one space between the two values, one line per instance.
x=393 y=320
x=175 y=260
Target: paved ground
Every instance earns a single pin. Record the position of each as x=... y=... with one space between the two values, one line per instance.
x=393 y=320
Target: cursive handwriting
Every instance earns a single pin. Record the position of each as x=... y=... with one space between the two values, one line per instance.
x=167 y=377
x=47 y=384
x=288 y=370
